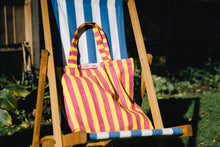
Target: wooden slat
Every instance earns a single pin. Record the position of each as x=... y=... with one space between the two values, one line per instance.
x=20 y=27
x=40 y=98
x=28 y=28
x=51 y=75
x=145 y=66
x=6 y=26
x=36 y=35
x=10 y=49
x=13 y=21
x=10 y=33
x=24 y=58
x=2 y=26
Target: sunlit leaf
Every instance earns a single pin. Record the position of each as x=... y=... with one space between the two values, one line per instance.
x=14 y=88
x=24 y=125
x=5 y=117
x=7 y=100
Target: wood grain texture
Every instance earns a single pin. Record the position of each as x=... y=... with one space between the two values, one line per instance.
x=51 y=75
x=67 y=140
x=187 y=130
x=28 y=27
x=40 y=98
x=143 y=86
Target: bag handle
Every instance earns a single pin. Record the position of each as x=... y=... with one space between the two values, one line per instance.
x=100 y=38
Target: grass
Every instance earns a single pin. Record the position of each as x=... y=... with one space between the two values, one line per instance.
x=199 y=109
x=208 y=133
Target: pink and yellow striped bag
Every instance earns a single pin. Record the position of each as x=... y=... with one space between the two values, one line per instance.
x=98 y=97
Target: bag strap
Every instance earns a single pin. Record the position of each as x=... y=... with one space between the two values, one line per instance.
x=100 y=38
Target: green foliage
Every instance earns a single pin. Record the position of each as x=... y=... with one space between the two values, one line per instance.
x=5 y=118
x=179 y=81
x=8 y=103
x=183 y=85
x=162 y=85
x=190 y=79
x=7 y=100
x=10 y=93
x=16 y=89
x=21 y=115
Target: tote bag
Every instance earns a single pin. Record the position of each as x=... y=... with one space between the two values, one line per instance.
x=98 y=97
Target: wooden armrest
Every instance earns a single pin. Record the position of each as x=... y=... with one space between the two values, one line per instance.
x=149 y=58
x=187 y=130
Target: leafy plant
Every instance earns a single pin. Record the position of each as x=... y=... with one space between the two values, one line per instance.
x=8 y=103
x=162 y=85
x=16 y=89
x=10 y=92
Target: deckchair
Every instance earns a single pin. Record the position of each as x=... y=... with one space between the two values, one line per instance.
x=103 y=138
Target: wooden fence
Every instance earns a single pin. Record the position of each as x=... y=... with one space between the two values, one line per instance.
x=16 y=32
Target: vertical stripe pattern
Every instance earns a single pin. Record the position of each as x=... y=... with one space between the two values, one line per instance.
x=108 y=14
x=98 y=97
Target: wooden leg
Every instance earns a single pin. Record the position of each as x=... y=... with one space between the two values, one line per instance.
x=40 y=98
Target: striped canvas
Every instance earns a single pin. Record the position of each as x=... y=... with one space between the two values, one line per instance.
x=135 y=133
x=70 y=14
x=98 y=97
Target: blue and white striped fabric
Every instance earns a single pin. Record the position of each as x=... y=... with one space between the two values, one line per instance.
x=108 y=14
x=136 y=133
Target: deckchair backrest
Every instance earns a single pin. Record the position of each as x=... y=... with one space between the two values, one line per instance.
x=108 y=14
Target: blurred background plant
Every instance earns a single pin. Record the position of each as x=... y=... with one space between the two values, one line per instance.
x=18 y=102
x=184 y=80
x=10 y=94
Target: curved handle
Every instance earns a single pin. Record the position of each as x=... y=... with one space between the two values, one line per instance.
x=100 y=38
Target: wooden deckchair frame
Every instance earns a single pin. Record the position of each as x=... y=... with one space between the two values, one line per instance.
x=47 y=62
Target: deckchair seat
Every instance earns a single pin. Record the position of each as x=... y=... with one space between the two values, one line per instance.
x=104 y=138
x=135 y=133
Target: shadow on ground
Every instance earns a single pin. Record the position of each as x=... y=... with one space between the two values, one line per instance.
x=23 y=138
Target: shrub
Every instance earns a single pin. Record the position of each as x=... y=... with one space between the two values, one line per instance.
x=10 y=92
x=8 y=103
